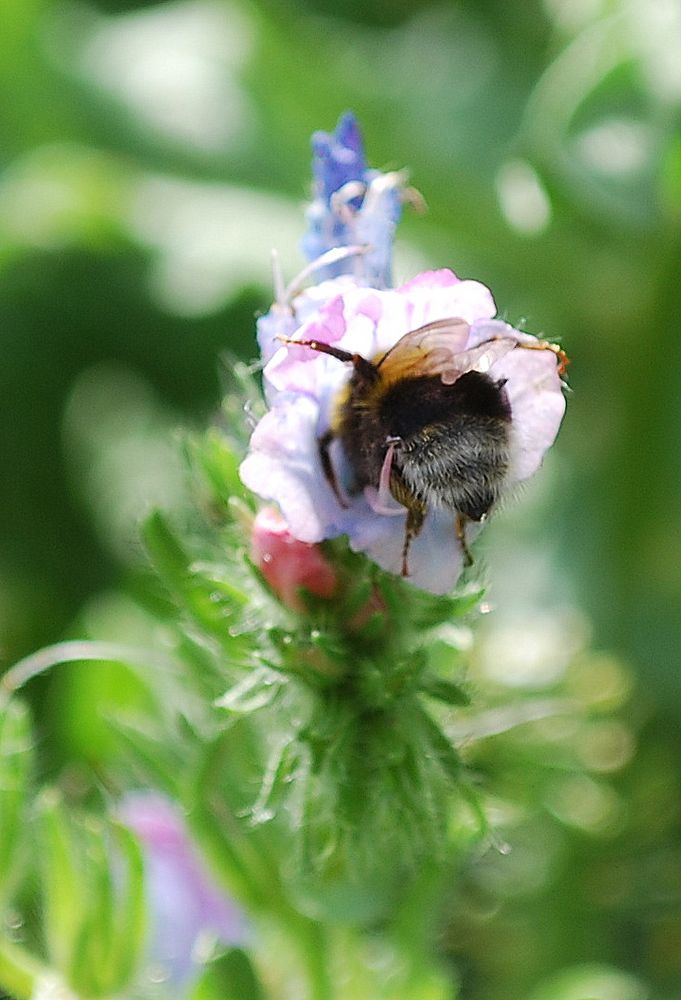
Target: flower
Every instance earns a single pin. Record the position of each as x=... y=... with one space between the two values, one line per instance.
x=357 y=315
x=185 y=905
x=288 y=564
x=284 y=463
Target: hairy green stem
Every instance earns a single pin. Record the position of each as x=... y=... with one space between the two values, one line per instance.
x=312 y=938
x=243 y=860
x=72 y=651
x=19 y=970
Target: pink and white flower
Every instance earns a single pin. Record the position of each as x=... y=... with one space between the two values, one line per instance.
x=302 y=386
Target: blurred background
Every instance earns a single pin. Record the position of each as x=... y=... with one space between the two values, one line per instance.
x=153 y=154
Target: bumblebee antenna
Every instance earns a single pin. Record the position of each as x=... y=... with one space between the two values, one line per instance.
x=358 y=362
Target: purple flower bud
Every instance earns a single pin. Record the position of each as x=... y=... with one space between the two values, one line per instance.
x=352 y=205
x=338 y=157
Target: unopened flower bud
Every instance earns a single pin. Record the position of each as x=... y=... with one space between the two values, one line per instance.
x=287 y=564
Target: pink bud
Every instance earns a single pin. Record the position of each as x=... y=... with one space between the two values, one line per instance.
x=289 y=564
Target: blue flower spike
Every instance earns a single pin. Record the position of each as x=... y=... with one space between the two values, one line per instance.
x=338 y=158
x=352 y=206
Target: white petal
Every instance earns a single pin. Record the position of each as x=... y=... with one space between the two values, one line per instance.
x=283 y=465
x=534 y=390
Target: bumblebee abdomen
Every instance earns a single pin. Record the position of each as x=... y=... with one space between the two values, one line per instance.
x=454 y=451
x=458 y=465
x=414 y=403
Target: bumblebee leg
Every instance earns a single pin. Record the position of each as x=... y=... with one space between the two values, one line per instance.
x=324 y=443
x=416 y=512
x=460 y=529
x=545 y=345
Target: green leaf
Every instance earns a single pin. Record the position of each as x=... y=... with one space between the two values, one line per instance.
x=131 y=917
x=442 y=749
x=216 y=576
x=16 y=762
x=64 y=880
x=110 y=935
x=168 y=555
x=429 y=611
x=229 y=977
x=256 y=690
x=94 y=921
x=20 y=972
x=152 y=754
x=89 y=966
x=217 y=803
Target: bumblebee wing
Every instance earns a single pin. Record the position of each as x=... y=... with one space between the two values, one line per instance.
x=428 y=350
x=478 y=359
x=439 y=349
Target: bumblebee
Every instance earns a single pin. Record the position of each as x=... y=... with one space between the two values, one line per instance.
x=425 y=425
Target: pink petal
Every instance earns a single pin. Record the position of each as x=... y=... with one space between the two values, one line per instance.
x=430 y=279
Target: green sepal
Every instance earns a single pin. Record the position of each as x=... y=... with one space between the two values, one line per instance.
x=443 y=690
x=229 y=977
x=218 y=464
x=16 y=765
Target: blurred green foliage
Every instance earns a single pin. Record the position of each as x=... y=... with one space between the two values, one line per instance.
x=153 y=154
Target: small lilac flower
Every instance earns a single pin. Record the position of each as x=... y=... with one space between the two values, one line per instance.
x=303 y=386
x=184 y=904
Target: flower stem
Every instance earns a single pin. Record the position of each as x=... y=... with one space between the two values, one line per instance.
x=19 y=970
x=316 y=954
